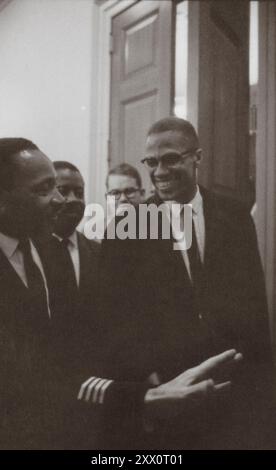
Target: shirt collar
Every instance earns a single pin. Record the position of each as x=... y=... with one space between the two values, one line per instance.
x=196 y=202
x=73 y=239
x=8 y=245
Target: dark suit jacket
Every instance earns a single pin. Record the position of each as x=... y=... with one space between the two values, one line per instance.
x=24 y=364
x=73 y=341
x=43 y=362
x=152 y=322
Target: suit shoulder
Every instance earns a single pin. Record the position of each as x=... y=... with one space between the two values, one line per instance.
x=90 y=245
x=229 y=206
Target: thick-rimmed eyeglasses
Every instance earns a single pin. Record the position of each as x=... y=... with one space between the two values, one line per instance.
x=128 y=192
x=168 y=160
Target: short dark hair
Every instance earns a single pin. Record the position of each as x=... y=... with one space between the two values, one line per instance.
x=9 y=146
x=64 y=165
x=125 y=169
x=173 y=123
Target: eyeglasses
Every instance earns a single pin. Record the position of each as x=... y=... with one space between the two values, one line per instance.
x=128 y=192
x=169 y=160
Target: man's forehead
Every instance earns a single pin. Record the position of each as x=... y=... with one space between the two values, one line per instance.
x=121 y=181
x=167 y=138
x=67 y=176
x=33 y=158
x=26 y=154
x=31 y=165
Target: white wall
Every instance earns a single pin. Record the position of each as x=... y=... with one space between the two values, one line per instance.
x=46 y=89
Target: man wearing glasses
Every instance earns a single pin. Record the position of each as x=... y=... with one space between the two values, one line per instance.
x=169 y=310
x=124 y=183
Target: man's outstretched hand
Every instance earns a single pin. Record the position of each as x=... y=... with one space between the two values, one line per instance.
x=191 y=388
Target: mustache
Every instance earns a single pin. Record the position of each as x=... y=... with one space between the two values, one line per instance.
x=76 y=207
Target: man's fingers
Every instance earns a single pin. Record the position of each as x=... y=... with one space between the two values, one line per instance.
x=238 y=357
x=208 y=366
x=200 y=390
x=172 y=398
x=154 y=379
x=222 y=386
x=205 y=389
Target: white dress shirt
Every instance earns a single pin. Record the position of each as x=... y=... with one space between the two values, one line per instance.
x=73 y=248
x=9 y=247
x=199 y=224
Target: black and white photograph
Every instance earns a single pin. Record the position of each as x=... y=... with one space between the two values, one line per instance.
x=137 y=228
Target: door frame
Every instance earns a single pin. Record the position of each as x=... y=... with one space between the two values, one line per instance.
x=103 y=13
x=265 y=155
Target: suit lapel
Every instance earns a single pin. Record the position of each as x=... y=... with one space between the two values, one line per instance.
x=215 y=226
x=174 y=258
x=88 y=262
x=8 y=275
x=83 y=260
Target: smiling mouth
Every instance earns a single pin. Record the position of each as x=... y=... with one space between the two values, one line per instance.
x=164 y=185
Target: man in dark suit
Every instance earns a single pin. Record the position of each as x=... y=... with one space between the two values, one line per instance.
x=38 y=335
x=71 y=264
x=168 y=310
x=28 y=203
x=72 y=260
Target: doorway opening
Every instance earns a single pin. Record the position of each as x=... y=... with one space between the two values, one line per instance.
x=253 y=99
x=181 y=60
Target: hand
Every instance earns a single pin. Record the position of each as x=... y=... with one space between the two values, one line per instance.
x=191 y=388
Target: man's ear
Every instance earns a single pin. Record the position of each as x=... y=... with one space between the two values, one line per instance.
x=198 y=155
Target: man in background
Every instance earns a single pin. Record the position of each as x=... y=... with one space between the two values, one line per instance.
x=124 y=183
x=71 y=265
x=123 y=187
x=73 y=261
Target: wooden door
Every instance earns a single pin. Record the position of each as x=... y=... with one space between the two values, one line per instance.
x=218 y=92
x=141 y=80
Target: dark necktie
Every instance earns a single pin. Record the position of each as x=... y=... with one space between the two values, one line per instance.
x=196 y=266
x=66 y=264
x=197 y=274
x=36 y=286
x=64 y=278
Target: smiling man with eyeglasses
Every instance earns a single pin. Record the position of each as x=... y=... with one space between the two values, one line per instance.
x=172 y=158
x=168 y=311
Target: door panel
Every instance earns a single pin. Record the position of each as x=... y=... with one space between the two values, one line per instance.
x=141 y=81
x=218 y=92
x=133 y=110
x=140 y=50
x=225 y=111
